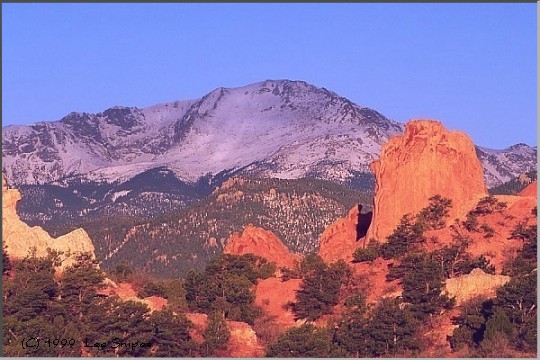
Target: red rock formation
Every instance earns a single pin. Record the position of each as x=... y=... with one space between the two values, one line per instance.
x=261 y=242
x=126 y=292
x=499 y=248
x=272 y=295
x=339 y=240
x=243 y=341
x=426 y=160
x=199 y=326
x=20 y=239
x=530 y=190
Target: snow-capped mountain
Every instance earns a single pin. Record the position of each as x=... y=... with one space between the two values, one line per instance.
x=284 y=129
x=278 y=128
x=501 y=166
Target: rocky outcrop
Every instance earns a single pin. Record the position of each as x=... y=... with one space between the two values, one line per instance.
x=427 y=160
x=126 y=292
x=530 y=190
x=477 y=283
x=261 y=242
x=22 y=240
x=243 y=341
x=340 y=239
x=272 y=296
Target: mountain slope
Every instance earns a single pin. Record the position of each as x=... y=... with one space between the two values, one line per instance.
x=501 y=166
x=297 y=211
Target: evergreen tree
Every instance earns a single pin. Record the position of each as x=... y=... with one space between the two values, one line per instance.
x=305 y=341
x=423 y=280
x=170 y=335
x=226 y=286
x=351 y=333
x=320 y=289
x=6 y=263
x=407 y=236
x=216 y=334
x=80 y=284
x=392 y=329
x=433 y=216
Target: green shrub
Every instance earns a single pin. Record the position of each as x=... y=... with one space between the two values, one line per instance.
x=369 y=253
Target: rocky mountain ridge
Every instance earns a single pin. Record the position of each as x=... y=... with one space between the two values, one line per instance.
x=285 y=129
x=275 y=128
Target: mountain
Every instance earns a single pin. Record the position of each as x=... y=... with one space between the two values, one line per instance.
x=501 y=166
x=285 y=129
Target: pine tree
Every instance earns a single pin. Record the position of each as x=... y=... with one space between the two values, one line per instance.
x=351 y=333
x=391 y=329
x=80 y=284
x=305 y=341
x=170 y=335
x=216 y=334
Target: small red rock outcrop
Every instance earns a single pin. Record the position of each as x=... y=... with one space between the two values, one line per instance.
x=339 y=240
x=426 y=160
x=243 y=341
x=126 y=292
x=273 y=295
x=260 y=242
x=530 y=190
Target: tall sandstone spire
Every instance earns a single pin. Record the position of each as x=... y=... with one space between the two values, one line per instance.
x=426 y=160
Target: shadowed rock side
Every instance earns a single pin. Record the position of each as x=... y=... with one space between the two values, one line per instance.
x=340 y=239
x=427 y=160
x=261 y=242
x=21 y=239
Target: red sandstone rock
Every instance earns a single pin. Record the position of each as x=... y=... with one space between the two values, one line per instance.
x=427 y=160
x=339 y=240
x=272 y=295
x=243 y=341
x=261 y=242
x=126 y=292
x=530 y=190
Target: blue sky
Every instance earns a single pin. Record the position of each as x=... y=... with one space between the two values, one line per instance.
x=472 y=66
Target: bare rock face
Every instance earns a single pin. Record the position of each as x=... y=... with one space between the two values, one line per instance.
x=261 y=242
x=273 y=295
x=243 y=341
x=477 y=283
x=21 y=239
x=126 y=292
x=530 y=190
x=427 y=160
x=339 y=240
